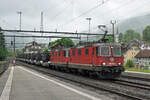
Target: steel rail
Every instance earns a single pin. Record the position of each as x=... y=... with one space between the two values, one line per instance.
x=136 y=78
x=132 y=84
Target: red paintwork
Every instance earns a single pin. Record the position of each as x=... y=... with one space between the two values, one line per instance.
x=90 y=59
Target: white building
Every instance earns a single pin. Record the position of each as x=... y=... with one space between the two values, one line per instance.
x=32 y=47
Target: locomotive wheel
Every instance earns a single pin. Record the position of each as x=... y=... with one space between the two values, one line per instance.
x=85 y=73
x=108 y=75
x=92 y=74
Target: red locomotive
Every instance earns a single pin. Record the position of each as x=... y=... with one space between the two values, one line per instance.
x=102 y=59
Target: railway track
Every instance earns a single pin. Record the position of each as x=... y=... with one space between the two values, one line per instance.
x=136 y=78
x=90 y=82
x=132 y=84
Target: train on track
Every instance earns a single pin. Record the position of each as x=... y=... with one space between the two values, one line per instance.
x=102 y=59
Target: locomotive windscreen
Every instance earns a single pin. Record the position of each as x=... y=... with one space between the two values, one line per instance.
x=116 y=50
x=105 y=51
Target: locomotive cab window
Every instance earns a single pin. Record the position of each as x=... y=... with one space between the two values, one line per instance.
x=87 y=51
x=105 y=51
x=116 y=50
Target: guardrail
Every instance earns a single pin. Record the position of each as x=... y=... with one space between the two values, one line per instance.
x=3 y=66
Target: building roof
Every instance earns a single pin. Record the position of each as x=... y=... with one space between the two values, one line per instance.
x=33 y=43
x=143 y=54
x=130 y=44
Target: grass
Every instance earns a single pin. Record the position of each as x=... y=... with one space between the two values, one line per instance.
x=2 y=62
x=137 y=70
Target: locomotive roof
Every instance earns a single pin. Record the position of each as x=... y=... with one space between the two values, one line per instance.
x=86 y=45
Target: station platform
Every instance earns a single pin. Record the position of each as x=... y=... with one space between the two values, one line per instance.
x=137 y=74
x=21 y=83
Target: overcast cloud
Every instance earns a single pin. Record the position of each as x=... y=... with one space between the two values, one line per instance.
x=58 y=13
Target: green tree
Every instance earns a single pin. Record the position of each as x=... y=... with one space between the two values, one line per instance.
x=120 y=37
x=129 y=63
x=3 y=50
x=19 y=52
x=46 y=49
x=131 y=35
x=109 y=39
x=3 y=53
x=2 y=40
x=66 y=42
x=10 y=54
x=146 y=34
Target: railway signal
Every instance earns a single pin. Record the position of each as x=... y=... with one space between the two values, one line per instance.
x=11 y=43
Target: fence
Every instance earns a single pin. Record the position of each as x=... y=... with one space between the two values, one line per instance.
x=3 y=66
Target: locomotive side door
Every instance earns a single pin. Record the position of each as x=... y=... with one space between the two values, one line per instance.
x=93 y=56
x=95 y=53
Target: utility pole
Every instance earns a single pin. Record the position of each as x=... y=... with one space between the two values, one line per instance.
x=89 y=19
x=34 y=37
x=14 y=47
x=20 y=13
x=20 y=19
x=41 y=27
x=117 y=35
x=113 y=22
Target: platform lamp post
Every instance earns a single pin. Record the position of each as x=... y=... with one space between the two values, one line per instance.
x=89 y=19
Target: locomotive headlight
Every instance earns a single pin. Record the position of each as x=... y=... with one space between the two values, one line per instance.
x=119 y=63
x=103 y=63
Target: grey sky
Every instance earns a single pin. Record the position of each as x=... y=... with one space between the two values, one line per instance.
x=57 y=13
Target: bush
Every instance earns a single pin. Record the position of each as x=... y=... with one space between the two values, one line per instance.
x=145 y=67
x=3 y=53
x=130 y=63
x=66 y=42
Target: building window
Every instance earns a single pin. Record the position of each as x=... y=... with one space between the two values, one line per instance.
x=132 y=53
x=79 y=52
x=86 y=51
x=136 y=49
